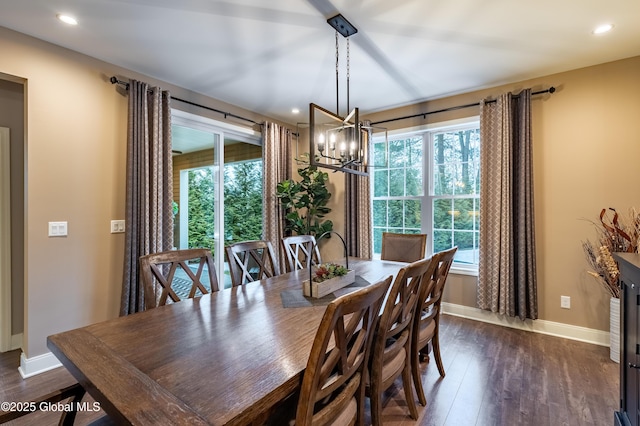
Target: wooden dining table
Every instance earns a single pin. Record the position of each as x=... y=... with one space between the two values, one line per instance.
x=224 y=358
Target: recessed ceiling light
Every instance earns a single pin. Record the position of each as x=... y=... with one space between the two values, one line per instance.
x=603 y=29
x=295 y=111
x=67 y=19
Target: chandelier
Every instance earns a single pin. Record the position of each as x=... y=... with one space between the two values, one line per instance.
x=339 y=142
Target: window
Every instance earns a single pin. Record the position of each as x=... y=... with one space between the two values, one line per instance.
x=431 y=185
x=217 y=169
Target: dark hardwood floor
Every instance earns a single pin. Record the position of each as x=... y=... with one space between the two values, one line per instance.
x=495 y=376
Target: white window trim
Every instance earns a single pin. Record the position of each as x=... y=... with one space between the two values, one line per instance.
x=427 y=214
x=224 y=131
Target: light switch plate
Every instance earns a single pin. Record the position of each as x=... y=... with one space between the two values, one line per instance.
x=57 y=229
x=565 y=302
x=117 y=226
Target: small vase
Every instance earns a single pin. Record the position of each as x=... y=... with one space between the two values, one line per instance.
x=614 y=329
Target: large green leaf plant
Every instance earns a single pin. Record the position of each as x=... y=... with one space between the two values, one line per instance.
x=305 y=202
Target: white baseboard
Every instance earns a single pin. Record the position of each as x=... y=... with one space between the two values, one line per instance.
x=567 y=331
x=37 y=364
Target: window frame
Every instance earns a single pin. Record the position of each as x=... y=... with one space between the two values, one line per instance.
x=428 y=196
x=223 y=131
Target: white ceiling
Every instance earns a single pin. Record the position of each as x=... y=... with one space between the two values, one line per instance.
x=271 y=56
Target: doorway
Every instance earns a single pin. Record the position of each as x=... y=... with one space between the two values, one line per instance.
x=5 y=240
x=13 y=116
x=206 y=160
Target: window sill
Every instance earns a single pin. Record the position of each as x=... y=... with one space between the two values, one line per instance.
x=461 y=270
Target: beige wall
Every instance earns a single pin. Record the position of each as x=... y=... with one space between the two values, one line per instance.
x=75 y=156
x=586 y=148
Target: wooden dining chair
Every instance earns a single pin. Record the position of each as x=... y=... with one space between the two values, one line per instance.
x=251 y=261
x=426 y=323
x=403 y=247
x=177 y=274
x=391 y=347
x=332 y=390
x=298 y=249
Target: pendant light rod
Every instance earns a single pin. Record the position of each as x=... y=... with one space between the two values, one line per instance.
x=346 y=28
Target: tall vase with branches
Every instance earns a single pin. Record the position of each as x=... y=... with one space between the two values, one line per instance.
x=615 y=233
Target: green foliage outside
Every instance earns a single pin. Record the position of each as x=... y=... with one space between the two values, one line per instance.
x=243 y=201
x=201 y=208
x=242 y=204
x=306 y=202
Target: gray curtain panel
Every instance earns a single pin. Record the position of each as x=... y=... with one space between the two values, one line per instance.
x=149 y=216
x=276 y=158
x=358 y=212
x=507 y=271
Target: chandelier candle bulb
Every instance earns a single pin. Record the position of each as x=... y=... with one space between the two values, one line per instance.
x=321 y=142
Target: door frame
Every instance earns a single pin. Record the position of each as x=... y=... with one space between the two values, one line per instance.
x=222 y=130
x=5 y=241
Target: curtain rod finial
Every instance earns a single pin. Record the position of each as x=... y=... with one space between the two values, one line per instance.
x=113 y=79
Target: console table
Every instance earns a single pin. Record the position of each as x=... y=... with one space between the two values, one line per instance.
x=629 y=413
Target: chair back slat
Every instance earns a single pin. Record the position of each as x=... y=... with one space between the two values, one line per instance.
x=251 y=261
x=169 y=276
x=298 y=249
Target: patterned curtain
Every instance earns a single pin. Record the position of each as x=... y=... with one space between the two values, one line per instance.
x=276 y=158
x=507 y=272
x=358 y=212
x=149 y=217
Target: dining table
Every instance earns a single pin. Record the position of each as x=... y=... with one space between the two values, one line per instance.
x=224 y=358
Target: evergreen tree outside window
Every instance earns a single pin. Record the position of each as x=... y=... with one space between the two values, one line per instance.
x=432 y=186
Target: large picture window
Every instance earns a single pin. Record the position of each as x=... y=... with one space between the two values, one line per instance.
x=431 y=185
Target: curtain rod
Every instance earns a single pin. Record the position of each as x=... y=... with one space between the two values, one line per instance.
x=115 y=80
x=424 y=114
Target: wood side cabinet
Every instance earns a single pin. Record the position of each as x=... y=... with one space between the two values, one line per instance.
x=629 y=413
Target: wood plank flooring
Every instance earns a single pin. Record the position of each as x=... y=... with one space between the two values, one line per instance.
x=495 y=376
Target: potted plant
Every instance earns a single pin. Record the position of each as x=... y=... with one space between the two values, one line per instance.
x=327 y=278
x=306 y=202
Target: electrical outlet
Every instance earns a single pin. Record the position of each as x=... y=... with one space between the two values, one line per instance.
x=565 y=302
x=117 y=226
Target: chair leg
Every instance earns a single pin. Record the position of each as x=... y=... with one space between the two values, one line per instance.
x=375 y=399
x=417 y=380
x=360 y=395
x=436 y=354
x=408 y=389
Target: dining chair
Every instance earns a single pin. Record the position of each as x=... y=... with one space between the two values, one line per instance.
x=403 y=247
x=298 y=249
x=178 y=274
x=332 y=390
x=426 y=323
x=391 y=347
x=251 y=261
